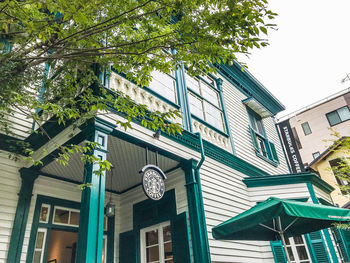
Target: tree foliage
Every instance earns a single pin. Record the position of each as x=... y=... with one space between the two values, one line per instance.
x=55 y=43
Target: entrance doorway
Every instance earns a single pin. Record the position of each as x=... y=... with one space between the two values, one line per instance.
x=62 y=246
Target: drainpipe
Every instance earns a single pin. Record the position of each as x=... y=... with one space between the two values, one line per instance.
x=205 y=244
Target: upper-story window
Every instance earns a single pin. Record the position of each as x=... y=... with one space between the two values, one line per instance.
x=204 y=100
x=306 y=128
x=338 y=116
x=339 y=170
x=164 y=85
x=263 y=147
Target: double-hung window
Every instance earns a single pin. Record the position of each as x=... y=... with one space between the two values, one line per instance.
x=297 y=250
x=263 y=147
x=204 y=100
x=164 y=85
x=340 y=115
x=156 y=244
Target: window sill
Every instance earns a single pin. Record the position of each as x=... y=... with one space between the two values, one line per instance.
x=210 y=126
x=274 y=163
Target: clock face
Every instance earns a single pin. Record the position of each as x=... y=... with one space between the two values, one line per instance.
x=153 y=184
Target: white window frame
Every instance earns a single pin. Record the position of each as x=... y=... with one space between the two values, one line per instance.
x=48 y=213
x=293 y=246
x=106 y=240
x=69 y=211
x=143 y=231
x=42 y=249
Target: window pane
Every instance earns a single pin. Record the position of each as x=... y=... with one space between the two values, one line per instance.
x=287 y=241
x=196 y=106
x=333 y=118
x=39 y=240
x=315 y=155
x=168 y=251
x=152 y=254
x=260 y=127
x=166 y=233
x=152 y=237
x=213 y=116
x=37 y=257
x=298 y=240
x=104 y=250
x=344 y=113
x=164 y=85
x=306 y=128
x=74 y=218
x=61 y=216
x=302 y=252
x=262 y=146
x=210 y=94
x=290 y=252
x=208 y=79
x=44 y=214
x=192 y=83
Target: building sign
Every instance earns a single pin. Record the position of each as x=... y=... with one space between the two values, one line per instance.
x=290 y=145
x=153 y=181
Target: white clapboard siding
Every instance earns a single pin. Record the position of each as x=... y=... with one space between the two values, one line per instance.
x=288 y=191
x=239 y=122
x=20 y=125
x=9 y=188
x=175 y=180
x=323 y=195
x=225 y=196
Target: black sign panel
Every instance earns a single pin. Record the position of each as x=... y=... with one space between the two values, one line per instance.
x=290 y=145
x=153 y=181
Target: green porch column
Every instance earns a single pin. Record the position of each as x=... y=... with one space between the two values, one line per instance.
x=28 y=177
x=90 y=236
x=200 y=243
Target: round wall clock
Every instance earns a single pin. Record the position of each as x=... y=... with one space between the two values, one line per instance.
x=153 y=182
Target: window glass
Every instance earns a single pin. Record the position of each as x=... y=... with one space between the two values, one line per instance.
x=74 y=218
x=61 y=216
x=306 y=128
x=333 y=118
x=210 y=94
x=213 y=116
x=260 y=126
x=315 y=155
x=44 y=213
x=164 y=85
x=196 y=105
x=192 y=83
x=39 y=246
x=344 y=113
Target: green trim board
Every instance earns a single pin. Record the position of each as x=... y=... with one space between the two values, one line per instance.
x=52 y=201
x=283 y=179
x=247 y=84
x=90 y=235
x=20 y=221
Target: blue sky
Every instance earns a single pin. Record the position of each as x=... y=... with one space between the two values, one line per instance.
x=308 y=55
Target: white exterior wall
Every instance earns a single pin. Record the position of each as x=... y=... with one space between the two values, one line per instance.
x=239 y=121
x=321 y=194
x=9 y=188
x=287 y=191
x=20 y=126
x=225 y=196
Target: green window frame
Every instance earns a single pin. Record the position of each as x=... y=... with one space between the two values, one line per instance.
x=338 y=116
x=306 y=128
x=264 y=148
x=205 y=102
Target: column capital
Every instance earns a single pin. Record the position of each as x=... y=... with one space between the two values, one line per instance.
x=28 y=174
x=219 y=82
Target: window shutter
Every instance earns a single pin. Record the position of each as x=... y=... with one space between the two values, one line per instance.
x=318 y=248
x=180 y=239
x=342 y=245
x=127 y=247
x=274 y=155
x=278 y=252
x=254 y=140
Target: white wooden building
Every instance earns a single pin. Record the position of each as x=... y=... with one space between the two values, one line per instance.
x=44 y=217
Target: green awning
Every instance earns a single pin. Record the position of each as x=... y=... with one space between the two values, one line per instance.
x=261 y=222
